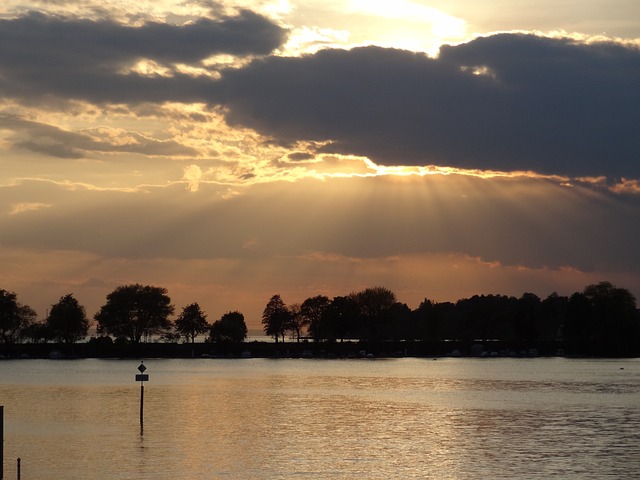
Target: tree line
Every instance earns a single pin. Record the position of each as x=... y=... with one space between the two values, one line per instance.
x=131 y=314
x=601 y=319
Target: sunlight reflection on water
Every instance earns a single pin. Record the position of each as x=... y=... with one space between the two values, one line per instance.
x=319 y=419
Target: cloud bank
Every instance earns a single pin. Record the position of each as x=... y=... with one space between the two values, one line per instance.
x=74 y=58
x=506 y=102
x=502 y=102
x=518 y=222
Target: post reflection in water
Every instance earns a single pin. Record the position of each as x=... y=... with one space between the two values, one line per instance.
x=401 y=418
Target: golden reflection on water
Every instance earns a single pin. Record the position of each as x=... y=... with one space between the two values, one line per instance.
x=328 y=420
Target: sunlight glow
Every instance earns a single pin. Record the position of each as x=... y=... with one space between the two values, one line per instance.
x=407 y=16
x=148 y=68
x=627 y=186
x=406 y=10
x=192 y=174
x=27 y=207
x=479 y=70
x=219 y=62
x=309 y=40
x=374 y=170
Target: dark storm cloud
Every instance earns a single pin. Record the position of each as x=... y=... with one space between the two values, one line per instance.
x=508 y=102
x=37 y=39
x=82 y=59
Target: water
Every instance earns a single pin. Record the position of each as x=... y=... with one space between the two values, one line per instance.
x=323 y=419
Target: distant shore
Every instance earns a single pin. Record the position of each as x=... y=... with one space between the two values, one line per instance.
x=305 y=349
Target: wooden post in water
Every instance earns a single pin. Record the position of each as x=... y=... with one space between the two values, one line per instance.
x=1 y=442
x=141 y=406
x=142 y=377
x=19 y=468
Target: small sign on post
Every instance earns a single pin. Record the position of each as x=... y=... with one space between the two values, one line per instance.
x=142 y=377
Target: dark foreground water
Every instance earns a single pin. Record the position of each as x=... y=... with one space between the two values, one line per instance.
x=323 y=419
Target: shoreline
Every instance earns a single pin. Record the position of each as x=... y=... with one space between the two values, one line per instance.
x=306 y=349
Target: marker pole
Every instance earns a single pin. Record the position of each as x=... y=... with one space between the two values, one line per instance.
x=141 y=406
x=1 y=442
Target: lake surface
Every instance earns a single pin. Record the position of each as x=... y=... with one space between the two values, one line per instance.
x=322 y=419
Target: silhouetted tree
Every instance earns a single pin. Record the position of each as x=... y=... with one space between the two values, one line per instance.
x=35 y=332
x=432 y=320
x=276 y=318
x=340 y=319
x=485 y=317
x=399 y=325
x=191 y=322
x=553 y=311
x=312 y=311
x=134 y=311
x=67 y=321
x=423 y=320
x=603 y=320
x=230 y=328
x=297 y=322
x=528 y=308
x=614 y=317
x=578 y=326
x=15 y=318
x=374 y=303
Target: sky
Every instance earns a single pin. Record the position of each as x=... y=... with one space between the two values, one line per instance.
x=229 y=151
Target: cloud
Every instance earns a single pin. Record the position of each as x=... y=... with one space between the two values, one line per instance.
x=193 y=175
x=54 y=41
x=526 y=222
x=85 y=59
x=27 y=207
x=56 y=142
x=504 y=102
